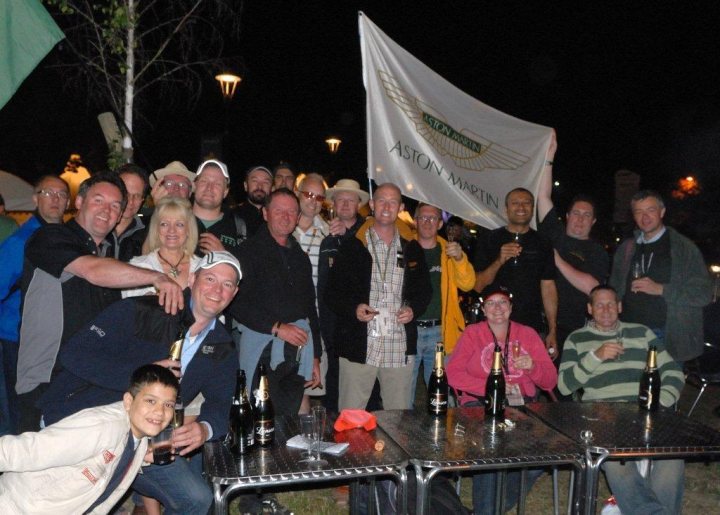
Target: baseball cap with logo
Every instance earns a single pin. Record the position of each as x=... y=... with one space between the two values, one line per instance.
x=212 y=259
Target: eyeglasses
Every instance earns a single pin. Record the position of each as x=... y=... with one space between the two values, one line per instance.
x=64 y=195
x=426 y=218
x=313 y=196
x=176 y=184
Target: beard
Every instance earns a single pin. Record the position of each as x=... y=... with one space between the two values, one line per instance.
x=257 y=196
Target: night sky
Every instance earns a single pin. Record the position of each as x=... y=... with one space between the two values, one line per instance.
x=626 y=84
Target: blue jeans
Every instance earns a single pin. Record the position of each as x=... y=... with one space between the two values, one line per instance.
x=661 y=492
x=427 y=338
x=179 y=486
x=483 y=489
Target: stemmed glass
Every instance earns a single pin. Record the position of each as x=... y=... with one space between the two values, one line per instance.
x=319 y=421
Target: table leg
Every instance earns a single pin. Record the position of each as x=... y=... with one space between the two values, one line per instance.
x=422 y=496
x=592 y=476
x=523 y=491
x=221 y=507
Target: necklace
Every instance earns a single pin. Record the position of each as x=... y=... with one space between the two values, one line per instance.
x=174 y=270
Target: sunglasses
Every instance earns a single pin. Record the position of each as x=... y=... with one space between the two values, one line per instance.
x=313 y=196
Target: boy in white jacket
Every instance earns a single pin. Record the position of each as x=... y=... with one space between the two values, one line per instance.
x=87 y=461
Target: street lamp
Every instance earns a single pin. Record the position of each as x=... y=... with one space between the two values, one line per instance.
x=333 y=144
x=228 y=83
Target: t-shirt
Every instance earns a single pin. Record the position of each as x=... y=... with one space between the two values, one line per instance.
x=654 y=261
x=587 y=256
x=434 y=309
x=535 y=263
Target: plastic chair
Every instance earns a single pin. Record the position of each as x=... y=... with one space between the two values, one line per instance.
x=704 y=371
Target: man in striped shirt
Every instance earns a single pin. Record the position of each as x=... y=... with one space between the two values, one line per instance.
x=606 y=359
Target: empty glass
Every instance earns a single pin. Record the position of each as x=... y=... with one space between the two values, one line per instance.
x=319 y=421
x=306 y=431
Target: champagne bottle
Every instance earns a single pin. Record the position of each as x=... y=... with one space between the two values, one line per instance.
x=264 y=412
x=438 y=385
x=649 y=394
x=176 y=346
x=179 y=415
x=242 y=431
x=495 y=387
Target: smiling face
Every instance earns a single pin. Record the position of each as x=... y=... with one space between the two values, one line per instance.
x=497 y=309
x=604 y=309
x=648 y=215
x=429 y=222
x=519 y=208
x=386 y=205
x=311 y=198
x=580 y=220
x=173 y=231
x=346 y=205
x=151 y=410
x=212 y=290
x=211 y=187
x=281 y=216
x=99 y=210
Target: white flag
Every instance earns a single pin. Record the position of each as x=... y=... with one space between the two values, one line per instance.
x=438 y=144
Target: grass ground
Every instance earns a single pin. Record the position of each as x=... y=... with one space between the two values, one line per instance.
x=702 y=481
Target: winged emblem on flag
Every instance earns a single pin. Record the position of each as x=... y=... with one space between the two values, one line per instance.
x=467 y=149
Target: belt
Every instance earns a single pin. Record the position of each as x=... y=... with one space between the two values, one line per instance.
x=428 y=323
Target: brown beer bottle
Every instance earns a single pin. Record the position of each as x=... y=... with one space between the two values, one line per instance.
x=649 y=394
x=264 y=412
x=495 y=387
x=438 y=385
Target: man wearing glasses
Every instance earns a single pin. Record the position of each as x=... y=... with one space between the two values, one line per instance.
x=51 y=198
x=175 y=180
x=449 y=270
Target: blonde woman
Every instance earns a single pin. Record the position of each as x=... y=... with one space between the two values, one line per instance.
x=170 y=244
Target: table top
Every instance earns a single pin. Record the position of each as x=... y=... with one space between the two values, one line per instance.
x=279 y=464
x=433 y=442
x=624 y=430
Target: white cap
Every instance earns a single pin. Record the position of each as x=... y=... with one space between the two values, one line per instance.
x=212 y=259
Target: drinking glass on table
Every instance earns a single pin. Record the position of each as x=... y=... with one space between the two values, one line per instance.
x=319 y=421
x=306 y=431
x=162 y=446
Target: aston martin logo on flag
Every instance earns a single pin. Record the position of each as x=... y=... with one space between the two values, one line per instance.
x=467 y=149
x=438 y=144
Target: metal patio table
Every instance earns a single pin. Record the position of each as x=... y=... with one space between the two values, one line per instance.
x=435 y=446
x=278 y=465
x=620 y=430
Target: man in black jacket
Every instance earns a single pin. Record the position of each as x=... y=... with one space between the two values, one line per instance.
x=378 y=287
x=276 y=315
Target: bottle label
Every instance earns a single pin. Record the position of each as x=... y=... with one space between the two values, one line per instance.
x=438 y=400
x=439 y=372
x=265 y=430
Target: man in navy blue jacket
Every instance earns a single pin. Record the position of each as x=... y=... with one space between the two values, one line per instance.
x=135 y=331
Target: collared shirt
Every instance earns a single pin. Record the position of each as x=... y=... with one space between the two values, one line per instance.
x=641 y=236
x=387 y=341
x=310 y=241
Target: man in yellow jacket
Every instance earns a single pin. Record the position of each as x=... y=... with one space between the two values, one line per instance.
x=449 y=270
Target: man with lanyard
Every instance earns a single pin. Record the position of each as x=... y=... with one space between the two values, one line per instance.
x=51 y=197
x=378 y=284
x=581 y=262
x=517 y=257
x=67 y=281
x=98 y=358
x=662 y=280
x=347 y=198
x=449 y=270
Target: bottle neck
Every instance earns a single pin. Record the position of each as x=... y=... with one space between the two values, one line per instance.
x=652 y=359
x=497 y=362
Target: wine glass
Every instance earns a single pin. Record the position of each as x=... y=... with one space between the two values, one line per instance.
x=319 y=421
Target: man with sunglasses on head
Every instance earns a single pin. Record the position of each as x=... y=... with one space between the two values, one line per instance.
x=51 y=197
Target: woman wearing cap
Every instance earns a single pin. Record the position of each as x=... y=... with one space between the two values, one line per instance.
x=170 y=244
x=527 y=369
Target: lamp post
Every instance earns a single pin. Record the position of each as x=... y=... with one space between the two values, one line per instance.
x=228 y=84
x=333 y=144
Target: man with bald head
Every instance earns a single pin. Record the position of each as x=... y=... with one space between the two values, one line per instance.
x=377 y=287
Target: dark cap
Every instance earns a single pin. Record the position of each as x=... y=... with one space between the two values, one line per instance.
x=496 y=290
